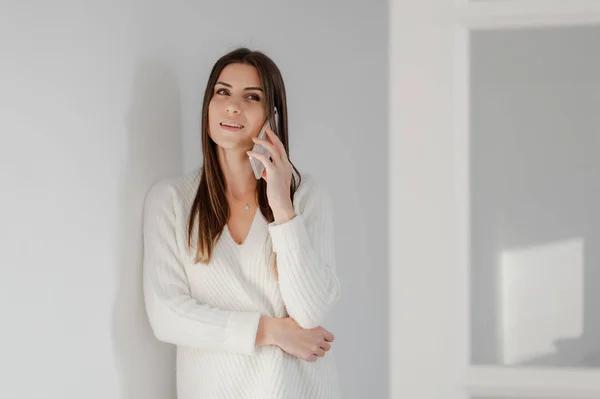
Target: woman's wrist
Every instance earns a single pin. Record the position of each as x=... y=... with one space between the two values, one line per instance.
x=266 y=331
x=284 y=214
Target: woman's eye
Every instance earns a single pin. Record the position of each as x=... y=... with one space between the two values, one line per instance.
x=221 y=91
x=254 y=97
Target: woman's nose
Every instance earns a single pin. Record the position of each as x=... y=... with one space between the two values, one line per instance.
x=232 y=107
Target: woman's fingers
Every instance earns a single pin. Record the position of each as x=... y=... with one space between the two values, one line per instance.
x=319 y=352
x=328 y=336
x=277 y=142
x=262 y=158
x=275 y=156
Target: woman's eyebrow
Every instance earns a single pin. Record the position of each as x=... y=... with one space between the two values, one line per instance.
x=247 y=88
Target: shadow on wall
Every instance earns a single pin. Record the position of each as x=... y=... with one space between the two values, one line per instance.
x=145 y=366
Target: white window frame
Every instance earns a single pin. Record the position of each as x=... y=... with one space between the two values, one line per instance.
x=429 y=201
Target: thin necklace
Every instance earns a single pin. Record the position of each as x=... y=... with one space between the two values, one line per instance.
x=246 y=205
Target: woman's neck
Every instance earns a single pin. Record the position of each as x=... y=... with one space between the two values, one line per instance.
x=239 y=176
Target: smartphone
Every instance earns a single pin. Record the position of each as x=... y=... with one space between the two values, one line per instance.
x=257 y=166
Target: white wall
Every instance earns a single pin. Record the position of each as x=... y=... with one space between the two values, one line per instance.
x=98 y=101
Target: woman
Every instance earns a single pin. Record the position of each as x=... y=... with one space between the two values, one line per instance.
x=239 y=273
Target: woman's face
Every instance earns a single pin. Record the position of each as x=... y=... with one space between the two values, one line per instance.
x=236 y=111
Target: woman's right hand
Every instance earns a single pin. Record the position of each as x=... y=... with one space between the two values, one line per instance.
x=307 y=344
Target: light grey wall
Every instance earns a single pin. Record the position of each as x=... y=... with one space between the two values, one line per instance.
x=98 y=101
x=535 y=172
x=488 y=397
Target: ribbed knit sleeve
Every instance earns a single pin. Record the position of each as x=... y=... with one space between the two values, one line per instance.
x=306 y=257
x=175 y=317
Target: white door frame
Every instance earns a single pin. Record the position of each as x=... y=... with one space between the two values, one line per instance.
x=429 y=202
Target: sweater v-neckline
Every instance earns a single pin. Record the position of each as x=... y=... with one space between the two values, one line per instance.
x=255 y=219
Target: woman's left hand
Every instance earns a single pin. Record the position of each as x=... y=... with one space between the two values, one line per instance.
x=278 y=175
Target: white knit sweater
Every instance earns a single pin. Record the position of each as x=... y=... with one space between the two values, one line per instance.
x=211 y=312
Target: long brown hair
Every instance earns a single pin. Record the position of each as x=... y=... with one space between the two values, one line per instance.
x=210 y=206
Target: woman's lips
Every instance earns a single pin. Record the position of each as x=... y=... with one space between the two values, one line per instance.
x=231 y=126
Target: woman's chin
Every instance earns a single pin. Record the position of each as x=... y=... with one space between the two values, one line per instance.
x=234 y=143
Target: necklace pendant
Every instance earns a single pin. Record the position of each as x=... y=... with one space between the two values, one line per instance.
x=247 y=207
